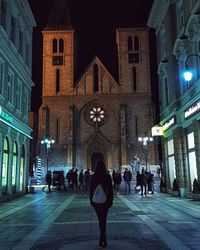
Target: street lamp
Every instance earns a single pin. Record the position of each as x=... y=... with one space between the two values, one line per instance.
x=47 y=143
x=145 y=141
x=188 y=74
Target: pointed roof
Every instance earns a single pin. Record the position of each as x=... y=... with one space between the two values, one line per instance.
x=59 y=17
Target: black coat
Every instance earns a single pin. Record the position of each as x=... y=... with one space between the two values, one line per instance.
x=107 y=187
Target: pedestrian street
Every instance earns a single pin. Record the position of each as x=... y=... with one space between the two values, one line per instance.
x=65 y=220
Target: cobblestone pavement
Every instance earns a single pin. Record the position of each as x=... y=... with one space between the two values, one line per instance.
x=65 y=220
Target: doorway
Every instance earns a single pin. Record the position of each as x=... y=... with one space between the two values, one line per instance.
x=95 y=157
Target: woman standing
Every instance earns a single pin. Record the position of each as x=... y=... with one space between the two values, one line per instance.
x=101 y=177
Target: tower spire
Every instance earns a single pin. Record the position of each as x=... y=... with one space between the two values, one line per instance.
x=59 y=17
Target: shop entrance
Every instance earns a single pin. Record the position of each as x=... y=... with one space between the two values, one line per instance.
x=95 y=157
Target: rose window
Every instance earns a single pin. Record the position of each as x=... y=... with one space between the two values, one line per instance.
x=97 y=115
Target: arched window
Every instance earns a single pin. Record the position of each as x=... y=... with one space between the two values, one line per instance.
x=95 y=78
x=55 y=46
x=22 y=162
x=14 y=167
x=5 y=166
x=134 y=78
x=61 y=45
x=130 y=43
x=136 y=43
x=57 y=81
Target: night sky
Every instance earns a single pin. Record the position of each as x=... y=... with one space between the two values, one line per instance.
x=95 y=22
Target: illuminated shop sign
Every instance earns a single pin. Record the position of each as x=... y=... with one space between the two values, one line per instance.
x=193 y=109
x=169 y=123
x=157 y=131
x=5 y=116
x=8 y=120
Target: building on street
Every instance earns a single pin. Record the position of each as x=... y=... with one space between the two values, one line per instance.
x=100 y=111
x=16 y=24
x=178 y=38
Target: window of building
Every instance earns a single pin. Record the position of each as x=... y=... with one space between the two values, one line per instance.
x=179 y=14
x=10 y=87
x=55 y=45
x=5 y=166
x=18 y=96
x=12 y=29
x=1 y=77
x=3 y=14
x=166 y=90
x=134 y=78
x=57 y=81
x=14 y=168
x=130 y=43
x=21 y=42
x=191 y=158
x=136 y=43
x=27 y=54
x=95 y=78
x=61 y=45
x=22 y=165
x=171 y=162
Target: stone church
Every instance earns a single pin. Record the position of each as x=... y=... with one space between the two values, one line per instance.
x=96 y=113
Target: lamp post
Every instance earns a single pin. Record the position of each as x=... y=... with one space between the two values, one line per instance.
x=47 y=143
x=188 y=74
x=145 y=141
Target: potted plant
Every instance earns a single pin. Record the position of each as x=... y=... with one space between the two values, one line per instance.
x=196 y=190
x=175 y=189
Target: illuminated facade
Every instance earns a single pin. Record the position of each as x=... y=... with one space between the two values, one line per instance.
x=96 y=114
x=16 y=25
x=178 y=35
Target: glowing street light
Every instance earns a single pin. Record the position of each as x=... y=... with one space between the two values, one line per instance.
x=188 y=74
x=47 y=143
x=145 y=141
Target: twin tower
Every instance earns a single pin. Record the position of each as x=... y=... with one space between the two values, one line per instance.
x=99 y=112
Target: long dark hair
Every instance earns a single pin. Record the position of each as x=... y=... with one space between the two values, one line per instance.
x=100 y=171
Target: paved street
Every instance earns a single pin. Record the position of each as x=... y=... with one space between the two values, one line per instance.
x=65 y=220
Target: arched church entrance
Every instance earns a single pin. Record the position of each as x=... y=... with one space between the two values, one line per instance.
x=94 y=158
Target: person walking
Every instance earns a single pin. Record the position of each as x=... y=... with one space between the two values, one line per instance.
x=49 y=180
x=143 y=180
x=101 y=177
x=127 y=179
x=118 y=180
x=80 y=179
x=86 y=180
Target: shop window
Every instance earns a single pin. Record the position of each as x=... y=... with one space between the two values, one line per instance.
x=171 y=162
x=191 y=159
x=14 y=168
x=5 y=166
x=22 y=162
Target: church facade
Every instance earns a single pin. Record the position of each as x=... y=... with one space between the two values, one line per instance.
x=96 y=115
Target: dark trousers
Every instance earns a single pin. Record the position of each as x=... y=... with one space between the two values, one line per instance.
x=102 y=211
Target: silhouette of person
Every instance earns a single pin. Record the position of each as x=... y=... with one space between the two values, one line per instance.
x=101 y=176
x=49 y=180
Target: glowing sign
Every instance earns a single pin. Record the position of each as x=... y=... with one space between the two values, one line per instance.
x=157 y=131
x=169 y=123
x=194 y=108
x=5 y=116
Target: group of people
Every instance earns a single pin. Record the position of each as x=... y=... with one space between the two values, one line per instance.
x=145 y=181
